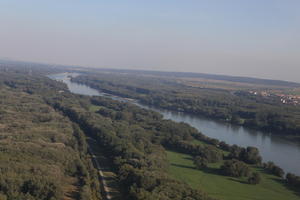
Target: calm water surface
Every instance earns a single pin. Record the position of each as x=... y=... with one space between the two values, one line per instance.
x=284 y=153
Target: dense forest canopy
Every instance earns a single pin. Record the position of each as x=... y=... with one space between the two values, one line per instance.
x=42 y=153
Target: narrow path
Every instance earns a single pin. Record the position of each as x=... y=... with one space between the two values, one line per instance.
x=108 y=181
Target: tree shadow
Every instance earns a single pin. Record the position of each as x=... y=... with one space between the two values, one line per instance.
x=108 y=178
x=209 y=170
x=205 y=170
x=295 y=190
x=187 y=158
x=183 y=166
x=239 y=181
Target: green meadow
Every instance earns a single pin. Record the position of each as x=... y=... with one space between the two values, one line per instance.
x=224 y=187
x=94 y=108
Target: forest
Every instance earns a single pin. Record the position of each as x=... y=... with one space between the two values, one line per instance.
x=43 y=145
x=43 y=155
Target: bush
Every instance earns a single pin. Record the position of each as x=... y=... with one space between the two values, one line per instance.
x=251 y=156
x=200 y=162
x=235 y=168
x=254 y=178
x=273 y=169
x=293 y=180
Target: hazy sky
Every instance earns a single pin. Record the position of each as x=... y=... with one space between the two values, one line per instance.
x=258 y=38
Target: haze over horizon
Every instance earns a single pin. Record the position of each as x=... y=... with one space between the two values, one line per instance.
x=240 y=38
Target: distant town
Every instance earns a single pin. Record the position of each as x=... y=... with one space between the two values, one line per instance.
x=284 y=98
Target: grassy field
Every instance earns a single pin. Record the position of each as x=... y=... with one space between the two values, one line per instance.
x=94 y=108
x=223 y=187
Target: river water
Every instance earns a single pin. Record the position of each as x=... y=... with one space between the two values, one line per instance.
x=272 y=147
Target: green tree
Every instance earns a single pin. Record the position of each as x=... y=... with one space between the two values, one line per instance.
x=235 y=168
x=200 y=162
x=254 y=179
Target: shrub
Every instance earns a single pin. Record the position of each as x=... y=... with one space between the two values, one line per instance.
x=235 y=168
x=293 y=180
x=200 y=162
x=273 y=169
x=254 y=178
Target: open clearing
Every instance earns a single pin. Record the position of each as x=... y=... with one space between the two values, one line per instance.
x=224 y=187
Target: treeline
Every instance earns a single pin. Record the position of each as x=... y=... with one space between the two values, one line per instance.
x=214 y=103
x=236 y=161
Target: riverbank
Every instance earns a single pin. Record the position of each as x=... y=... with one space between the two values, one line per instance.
x=271 y=147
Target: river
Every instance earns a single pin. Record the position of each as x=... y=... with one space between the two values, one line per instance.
x=272 y=147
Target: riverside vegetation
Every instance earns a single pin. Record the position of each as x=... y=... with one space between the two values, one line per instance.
x=44 y=152
x=236 y=107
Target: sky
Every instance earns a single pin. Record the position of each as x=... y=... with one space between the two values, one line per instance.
x=257 y=38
